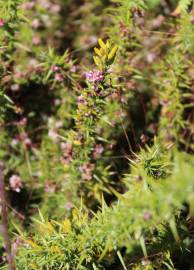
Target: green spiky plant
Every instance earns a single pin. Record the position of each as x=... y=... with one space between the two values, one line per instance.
x=103 y=154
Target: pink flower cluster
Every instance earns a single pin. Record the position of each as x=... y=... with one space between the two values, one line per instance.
x=49 y=187
x=67 y=152
x=15 y=183
x=81 y=100
x=86 y=171
x=22 y=137
x=98 y=150
x=58 y=76
x=25 y=139
x=94 y=76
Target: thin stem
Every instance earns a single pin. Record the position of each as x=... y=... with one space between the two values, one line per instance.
x=4 y=226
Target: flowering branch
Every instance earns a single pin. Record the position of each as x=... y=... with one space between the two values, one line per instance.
x=4 y=225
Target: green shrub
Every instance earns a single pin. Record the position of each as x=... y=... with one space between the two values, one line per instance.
x=96 y=130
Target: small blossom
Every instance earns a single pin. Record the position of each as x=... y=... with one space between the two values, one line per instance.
x=98 y=150
x=66 y=147
x=18 y=74
x=36 y=40
x=147 y=216
x=81 y=101
x=53 y=135
x=158 y=21
x=69 y=205
x=59 y=124
x=2 y=22
x=28 y=5
x=55 y=68
x=15 y=87
x=57 y=102
x=33 y=63
x=151 y=57
x=28 y=142
x=55 y=8
x=138 y=13
x=23 y=121
x=111 y=146
x=86 y=171
x=15 y=183
x=144 y=138
x=23 y=137
x=145 y=262
x=59 y=77
x=16 y=244
x=14 y=142
x=36 y=23
x=94 y=76
x=49 y=187
x=73 y=69
x=67 y=152
x=45 y=4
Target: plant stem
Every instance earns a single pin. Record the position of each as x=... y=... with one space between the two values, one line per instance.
x=4 y=226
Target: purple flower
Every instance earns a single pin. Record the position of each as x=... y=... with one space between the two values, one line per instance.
x=94 y=76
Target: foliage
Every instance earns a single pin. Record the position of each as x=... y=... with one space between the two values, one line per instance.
x=96 y=129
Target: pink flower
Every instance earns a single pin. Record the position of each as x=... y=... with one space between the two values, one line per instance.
x=55 y=8
x=55 y=68
x=28 y=142
x=16 y=244
x=53 y=135
x=86 y=171
x=49 y=187
x=67 y=152
x=81 y=100
x=23 y=121
x=98 y=150
x=59 y=77
x=147 y=216
x=73 y=69
x=2 y=22
x=23 y=137
x=94 y=76
x=36 y=40
x=15 y=183
x=36 y=23
x=69 y=205
x=14 y=142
